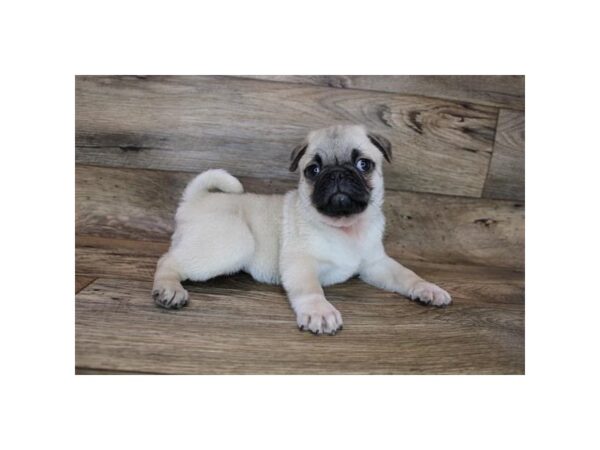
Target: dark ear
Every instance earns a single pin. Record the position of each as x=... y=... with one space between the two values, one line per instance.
x=297 y=153
x=382 y=144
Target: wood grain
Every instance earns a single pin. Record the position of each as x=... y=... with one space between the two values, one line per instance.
x=88 y=371
x=455 y=230
x=81 y=282
x=229 y=330
x=136 y=260
x=250 y=126
x=494 y=90
x=117 y=258
x=506 y=176
x=140 y=205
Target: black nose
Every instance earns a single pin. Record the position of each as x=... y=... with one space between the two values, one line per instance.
x=337 y=175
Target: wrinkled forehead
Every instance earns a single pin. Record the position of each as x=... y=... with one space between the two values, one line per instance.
x=337 y=143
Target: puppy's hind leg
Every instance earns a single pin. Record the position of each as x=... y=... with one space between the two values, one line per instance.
x=217 y=244
x=167 y=290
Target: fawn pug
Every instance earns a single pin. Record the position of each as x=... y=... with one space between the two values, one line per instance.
x=327 y=230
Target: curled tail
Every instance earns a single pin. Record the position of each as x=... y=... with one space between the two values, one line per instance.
x=212 y=179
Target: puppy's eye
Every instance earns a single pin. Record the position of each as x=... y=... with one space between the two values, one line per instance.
x=312 y=171
x=364 y=165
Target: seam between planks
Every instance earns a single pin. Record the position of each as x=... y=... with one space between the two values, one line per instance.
x=494 y=147
x=487 y=173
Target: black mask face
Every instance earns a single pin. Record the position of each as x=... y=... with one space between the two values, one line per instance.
x=340 y=189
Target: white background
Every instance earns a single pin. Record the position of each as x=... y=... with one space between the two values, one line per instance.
x=44 y=44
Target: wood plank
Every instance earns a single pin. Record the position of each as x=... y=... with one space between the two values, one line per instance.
x=506 y=176
x=249 y=128
x=87 y=371
x=135 y=260
x=455 y=230
x=117 y=258
x=140 y=205
x=230 y=330
x=81 y=282
x=507 y=91
x=143 y=248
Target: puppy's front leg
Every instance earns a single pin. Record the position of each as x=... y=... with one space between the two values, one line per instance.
x=301 y=281
x=388 y=274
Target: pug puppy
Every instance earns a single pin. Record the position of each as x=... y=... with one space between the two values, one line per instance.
x=327 y=230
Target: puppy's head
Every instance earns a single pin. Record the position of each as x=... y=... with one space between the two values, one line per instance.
x=341 y=170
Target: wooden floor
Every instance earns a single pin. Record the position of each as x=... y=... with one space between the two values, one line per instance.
x=454 y=205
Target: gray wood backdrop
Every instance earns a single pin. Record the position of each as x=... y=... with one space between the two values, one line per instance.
x=451 y=135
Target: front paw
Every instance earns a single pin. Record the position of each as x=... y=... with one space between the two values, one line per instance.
x=430 y=294
x=315 y=314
